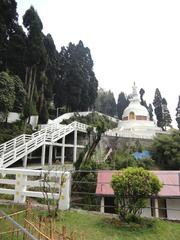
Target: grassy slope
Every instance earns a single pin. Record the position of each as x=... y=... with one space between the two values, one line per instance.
x=96 y=227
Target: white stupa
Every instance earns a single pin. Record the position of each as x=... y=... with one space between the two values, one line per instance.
x=135 y=121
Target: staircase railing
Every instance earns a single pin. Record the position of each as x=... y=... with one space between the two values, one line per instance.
x=50 y=134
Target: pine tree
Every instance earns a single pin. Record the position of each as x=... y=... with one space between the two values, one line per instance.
x=150 y=110
x=166 y=115
x=8 y=21
x=143 y=103
x=122 y=103
x=76 y=89
x=158 y=108
x=105 y=102
x=178 y=113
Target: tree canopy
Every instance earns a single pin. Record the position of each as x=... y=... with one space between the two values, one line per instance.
x=178 y=113
x=122 y=103
x=166 y=150
x=105 y=102
x=162 y=113
x=66 y=78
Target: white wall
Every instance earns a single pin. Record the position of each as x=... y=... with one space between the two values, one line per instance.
x=34 y=121
x=13 y=117
x=173 y=204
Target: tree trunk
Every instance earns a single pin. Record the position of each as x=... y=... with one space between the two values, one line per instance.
x=30 y=83
x=33 y=84
x=26 y=76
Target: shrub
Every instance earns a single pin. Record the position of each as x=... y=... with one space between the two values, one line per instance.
x=131 y=187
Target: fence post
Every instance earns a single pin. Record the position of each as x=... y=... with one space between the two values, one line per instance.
x=75 y=146
x=65 y=188
x=20 y=187
x=63 y=150
x=43 y=155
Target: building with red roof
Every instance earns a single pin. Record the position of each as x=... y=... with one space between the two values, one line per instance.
x=166 y=205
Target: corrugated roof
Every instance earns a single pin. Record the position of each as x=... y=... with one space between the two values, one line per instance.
x=170 y=180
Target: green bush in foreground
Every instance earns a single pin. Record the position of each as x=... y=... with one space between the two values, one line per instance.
x=131 y=187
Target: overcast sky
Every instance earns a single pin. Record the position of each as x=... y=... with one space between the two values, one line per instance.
x=130 y=40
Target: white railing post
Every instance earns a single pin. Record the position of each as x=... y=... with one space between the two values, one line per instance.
x=75 y=146
x=63 y=150
x=20 y=187
x=1 y=160
x=43 y=154
x=25 y=158
x=50 y=154
x=65 y=188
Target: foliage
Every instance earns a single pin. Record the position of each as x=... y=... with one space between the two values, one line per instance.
x=123 y=159
x=150 y=109
x=8 y=20
x=93 y=119
x=162 y=113
x=143 y=102
x=105 y=103
x=20 y=94
x=131 y=187
x=7 y=92
x=166 y=115
x=178 y=113
x=100 y=122
x=158 y=107
x=52 y=185
x=122 y=103
x=76 y=88
x=43 y=115
x=84 y=181
x=166 y=150
x=12 y=130
x=66 y=77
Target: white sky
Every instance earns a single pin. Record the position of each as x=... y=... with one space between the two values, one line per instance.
x=130 y=40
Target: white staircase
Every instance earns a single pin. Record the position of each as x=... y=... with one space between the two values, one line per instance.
x=21 y=146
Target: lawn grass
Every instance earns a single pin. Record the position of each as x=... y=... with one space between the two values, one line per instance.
x=96 y=227
x=100 y=227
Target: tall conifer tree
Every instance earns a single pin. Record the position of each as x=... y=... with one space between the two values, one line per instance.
x=178 y=113
x=158 y=108
x=166 y=115
x=122 y=103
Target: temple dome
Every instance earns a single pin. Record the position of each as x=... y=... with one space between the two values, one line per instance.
x=135 y=111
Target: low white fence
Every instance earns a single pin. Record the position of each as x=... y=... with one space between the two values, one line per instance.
x=22 y=183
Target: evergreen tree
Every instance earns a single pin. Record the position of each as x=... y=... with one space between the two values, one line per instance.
x=158 y=108
x=16 y=52
x=122 y=103
x=7 y=93
x=178 y=113
x=105 y=102
x=52 y=68
x=36 y=56
x=150 y=110
x=8 y=21
x=143 y=102
x=76 y=89
x=166 y=115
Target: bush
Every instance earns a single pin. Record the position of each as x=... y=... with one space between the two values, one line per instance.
x=166 y=150
x=131 y=187
x=12 y=130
